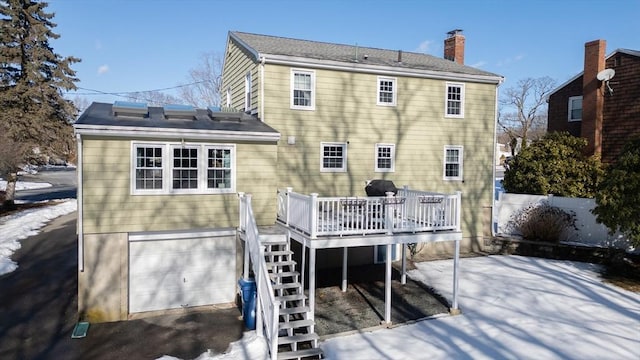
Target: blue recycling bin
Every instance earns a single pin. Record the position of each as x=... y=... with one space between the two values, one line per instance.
x=248 y=293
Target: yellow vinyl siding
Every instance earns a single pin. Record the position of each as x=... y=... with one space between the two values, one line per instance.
x=237 y=63
x=108 y=205
x=346 y=111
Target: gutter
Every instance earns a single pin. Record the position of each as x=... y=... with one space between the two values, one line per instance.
x=79 y=225
x=263 y=60
x=493 y=161
x=147 y=132
x=382 y=70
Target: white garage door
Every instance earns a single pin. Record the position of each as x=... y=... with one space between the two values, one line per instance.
x=180 y=271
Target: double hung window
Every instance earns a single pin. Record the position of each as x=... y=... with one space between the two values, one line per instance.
x=148 y=172
x=454 y=105
x=575 y=108
x=386 y=91
x=176 y=168
x=385 y=157
x=302 y=90
x=453 y=156
x=333 y=157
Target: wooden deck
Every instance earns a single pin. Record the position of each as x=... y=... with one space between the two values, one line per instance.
x=409 y=217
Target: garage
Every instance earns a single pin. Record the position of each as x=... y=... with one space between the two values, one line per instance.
x=179 y=270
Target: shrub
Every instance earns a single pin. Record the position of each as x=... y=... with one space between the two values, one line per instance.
x=554 y=165
x=618 y=194
x=541 y=222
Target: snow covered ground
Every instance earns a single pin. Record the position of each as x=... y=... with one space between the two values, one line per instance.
x=21 y=225
x=512 y=308
x=21 y=185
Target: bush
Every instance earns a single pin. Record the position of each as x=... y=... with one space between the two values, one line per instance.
x=618 y=194
x=542 y=222
x=554 y=165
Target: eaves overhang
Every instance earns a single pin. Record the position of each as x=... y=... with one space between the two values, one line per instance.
x=170 y=133
x=377 y=69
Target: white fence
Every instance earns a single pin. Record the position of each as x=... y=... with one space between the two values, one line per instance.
x=588 y=232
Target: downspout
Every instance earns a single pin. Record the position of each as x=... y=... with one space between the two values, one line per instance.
x=79 y=206
x=262 y=62
x=493 y=160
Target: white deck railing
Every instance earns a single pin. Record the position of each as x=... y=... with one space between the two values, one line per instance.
x=409 y=211
x=267 y=307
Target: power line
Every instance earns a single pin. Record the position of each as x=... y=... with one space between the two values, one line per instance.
x=124 y=93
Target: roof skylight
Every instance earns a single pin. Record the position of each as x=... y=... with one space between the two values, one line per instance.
x=180 y=111
x=127 y=108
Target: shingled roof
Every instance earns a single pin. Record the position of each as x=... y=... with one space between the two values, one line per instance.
x=103 y=119
x=268 y=46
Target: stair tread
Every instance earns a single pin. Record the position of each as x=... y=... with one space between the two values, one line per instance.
x=294 y=310
x=297 y=338
x=299 y=353
x=274 y=240
x=290 y=285
x=291 y=297
x=283 y=274
x=296 y=324
x=281 y=263
x=278 y=252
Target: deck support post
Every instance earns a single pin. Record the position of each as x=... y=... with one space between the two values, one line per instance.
x=403 y=277
x=456 y=265
x=345 y=253
x=312 y=282
x=387 y=288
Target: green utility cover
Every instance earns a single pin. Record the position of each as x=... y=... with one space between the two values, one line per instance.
x=80 y=330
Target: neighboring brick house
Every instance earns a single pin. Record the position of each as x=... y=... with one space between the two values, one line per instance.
x=606 y=113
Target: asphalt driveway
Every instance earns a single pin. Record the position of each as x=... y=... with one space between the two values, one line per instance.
x=38 y=311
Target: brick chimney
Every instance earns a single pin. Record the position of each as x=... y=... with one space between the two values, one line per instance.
x=593 y=96
x=454 y=46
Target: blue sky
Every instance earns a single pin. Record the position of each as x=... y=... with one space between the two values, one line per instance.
x=139 y=45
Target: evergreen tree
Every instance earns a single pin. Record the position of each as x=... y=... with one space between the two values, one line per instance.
x=618 y=196
x=32 y=77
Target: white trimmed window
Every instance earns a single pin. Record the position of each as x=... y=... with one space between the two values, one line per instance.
x=303 y=89
x=454 y=104
x=385 y=157
x=333 y=157
x=386 y=91
x=184 y=173
x=453 y=155
x=228 y=102
x=219 y=167
x=147 y=168
x=177 y=168
x=575 y=108
x=247 y=92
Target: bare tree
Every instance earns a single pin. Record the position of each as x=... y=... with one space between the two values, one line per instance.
x=206 y=80
x=80 y=103
x=153 y=98
x=523 y=112
x=12 y=155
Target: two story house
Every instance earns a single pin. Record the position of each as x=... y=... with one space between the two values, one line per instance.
x=348 y=113
x=604 y=111
x=158 y=187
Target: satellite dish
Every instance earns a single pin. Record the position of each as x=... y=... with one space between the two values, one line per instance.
x=606 y=74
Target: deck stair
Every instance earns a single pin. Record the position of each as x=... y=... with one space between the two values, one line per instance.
x=297 y=338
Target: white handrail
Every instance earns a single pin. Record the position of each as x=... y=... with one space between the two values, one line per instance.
x=267 y=307
x=409 y=211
